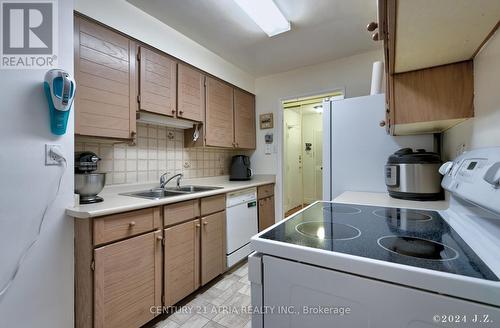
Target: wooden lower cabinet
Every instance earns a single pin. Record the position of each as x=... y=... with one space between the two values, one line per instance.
x=213 y=252
x=127 y=281
x=266 y=212
x=182 y=261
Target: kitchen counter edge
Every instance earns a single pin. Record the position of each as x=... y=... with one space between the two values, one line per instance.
x=84 y=212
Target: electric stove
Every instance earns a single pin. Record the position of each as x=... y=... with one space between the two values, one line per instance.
x=416 y=238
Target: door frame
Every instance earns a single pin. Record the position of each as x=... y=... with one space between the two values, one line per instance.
x=280 y=182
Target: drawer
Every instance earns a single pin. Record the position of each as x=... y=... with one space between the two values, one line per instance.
x=265 y=191
x=118 y=226
x=180 y=212
x=213 y=204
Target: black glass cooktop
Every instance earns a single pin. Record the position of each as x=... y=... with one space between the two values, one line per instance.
x=411 y=237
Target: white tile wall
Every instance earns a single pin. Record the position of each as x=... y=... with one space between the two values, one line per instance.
x=158 y=150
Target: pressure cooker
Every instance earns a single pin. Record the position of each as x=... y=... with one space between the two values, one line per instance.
x=414 y=175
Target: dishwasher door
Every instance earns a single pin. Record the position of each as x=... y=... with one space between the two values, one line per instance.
x=241 y=224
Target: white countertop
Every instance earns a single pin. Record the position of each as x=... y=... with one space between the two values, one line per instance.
x=116 y=203
x=383 y=199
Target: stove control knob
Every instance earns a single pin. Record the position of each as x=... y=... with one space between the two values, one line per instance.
x=492 y=175
x=446 y=168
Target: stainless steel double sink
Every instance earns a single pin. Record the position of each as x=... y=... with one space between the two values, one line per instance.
x=159 y=193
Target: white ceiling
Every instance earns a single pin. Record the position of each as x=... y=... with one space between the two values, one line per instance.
x=322 y=30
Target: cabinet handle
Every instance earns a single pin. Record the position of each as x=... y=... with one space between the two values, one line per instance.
x=205 y=223
x=375 y=37
x=372 y=26
x=180 y=112
x=131 y=224
x=381 y=124
x=132 y=134
x=198 y=225
x=173 y=111
x=159 y=237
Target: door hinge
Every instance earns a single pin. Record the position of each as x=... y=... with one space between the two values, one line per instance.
x=92 y=265
x=138 y=98
x=139 y=54
x=163 y=241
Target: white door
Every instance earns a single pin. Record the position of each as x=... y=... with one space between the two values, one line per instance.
x=318 y=163
x=293 y=159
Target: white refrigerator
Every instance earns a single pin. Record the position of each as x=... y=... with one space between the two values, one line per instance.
x=356 y=148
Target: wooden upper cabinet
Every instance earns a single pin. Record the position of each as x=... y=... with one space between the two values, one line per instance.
x=127 y=281
x=191 y=93
x=213 y=251
x=182 y=261
x=429 y=64
x=244 y=120
x=433 y=99
x=219 y=114
x=105 y=102
x=157 y=82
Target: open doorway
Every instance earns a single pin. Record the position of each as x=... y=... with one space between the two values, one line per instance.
x=303 y=151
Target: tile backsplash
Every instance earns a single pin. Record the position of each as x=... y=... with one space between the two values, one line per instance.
x=158 y=150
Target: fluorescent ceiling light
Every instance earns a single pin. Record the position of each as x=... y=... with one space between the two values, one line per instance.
x=266 y=15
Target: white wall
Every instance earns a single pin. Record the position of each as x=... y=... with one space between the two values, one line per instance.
x=484 y=129
x=352 y=73
x=42 y=294
x=130 y=20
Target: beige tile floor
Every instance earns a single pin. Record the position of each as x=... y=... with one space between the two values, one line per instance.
x=220 y=304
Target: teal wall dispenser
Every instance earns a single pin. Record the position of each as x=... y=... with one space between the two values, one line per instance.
x=60 y=89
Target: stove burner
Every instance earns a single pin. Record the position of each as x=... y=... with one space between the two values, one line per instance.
x=402 y=214
x=324 y=230
x=342 y=209
x=417 y=247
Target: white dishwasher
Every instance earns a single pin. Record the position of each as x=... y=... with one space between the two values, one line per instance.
x=241 y=224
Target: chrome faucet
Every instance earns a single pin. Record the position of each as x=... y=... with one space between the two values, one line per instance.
x=164 y=180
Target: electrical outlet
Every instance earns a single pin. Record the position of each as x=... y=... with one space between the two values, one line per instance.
x=49 y=158
x=460 y=149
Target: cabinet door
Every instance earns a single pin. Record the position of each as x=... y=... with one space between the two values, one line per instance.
x=105 y=103
x=182 y=261
x=127 y=281
x=219 y=114
x=191 y=93
x=213 y=253
x=157 y=83
x=244 y=120
x=266 y=212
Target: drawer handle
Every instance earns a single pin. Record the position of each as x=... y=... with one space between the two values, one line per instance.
x=159 y=237
x=132 y=224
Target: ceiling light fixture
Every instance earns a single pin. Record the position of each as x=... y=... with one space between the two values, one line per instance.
x=266 y=15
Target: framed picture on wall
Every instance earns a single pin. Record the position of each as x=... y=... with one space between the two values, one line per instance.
x=266 y=121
